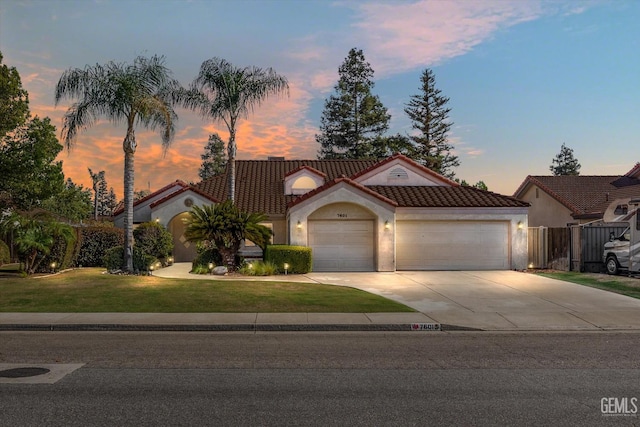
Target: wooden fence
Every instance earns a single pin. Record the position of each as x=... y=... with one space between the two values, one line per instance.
x=574 y=248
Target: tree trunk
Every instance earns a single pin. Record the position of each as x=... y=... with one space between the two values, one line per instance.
x=231 y=152
x=129 y=147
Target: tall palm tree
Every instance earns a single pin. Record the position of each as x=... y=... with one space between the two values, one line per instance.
x=224 y=92
x=141 y=93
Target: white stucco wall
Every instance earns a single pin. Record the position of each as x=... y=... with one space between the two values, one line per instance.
x=344 y=193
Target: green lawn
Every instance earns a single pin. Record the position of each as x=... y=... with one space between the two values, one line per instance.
x=619 y=284
x=88 y=290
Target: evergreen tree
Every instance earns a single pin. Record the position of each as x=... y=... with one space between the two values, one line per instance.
x=564 y=163
x=14 y=100
x=104 y=201
x=214 y=160
x=429 y=116
x=73 y=203
x=352 y=117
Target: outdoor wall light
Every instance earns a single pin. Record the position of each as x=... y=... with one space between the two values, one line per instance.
x=520 y=225
x=387 y=226
x=299 y=225
x=157 y=219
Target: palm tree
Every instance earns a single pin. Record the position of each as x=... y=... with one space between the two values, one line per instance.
x=224 y=227
x=141 y=93
x=225 y=92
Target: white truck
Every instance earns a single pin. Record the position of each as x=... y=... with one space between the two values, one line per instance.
x=623 y=252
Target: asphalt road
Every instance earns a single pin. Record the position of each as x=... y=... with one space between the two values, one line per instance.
x=325 y=379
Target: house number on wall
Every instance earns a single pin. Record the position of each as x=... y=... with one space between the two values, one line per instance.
x=342 y=215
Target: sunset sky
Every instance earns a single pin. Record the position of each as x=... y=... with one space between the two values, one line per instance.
x=523 y=76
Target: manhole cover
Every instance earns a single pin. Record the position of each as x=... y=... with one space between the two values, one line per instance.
x=23 y=372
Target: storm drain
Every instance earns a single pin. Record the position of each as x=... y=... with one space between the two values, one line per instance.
x=23 y=372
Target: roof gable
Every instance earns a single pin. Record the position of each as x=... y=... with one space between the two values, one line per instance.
x=165 y=191
x=401 y=170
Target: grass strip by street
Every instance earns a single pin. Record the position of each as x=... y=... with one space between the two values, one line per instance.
x=89 y=291
x=618 y=284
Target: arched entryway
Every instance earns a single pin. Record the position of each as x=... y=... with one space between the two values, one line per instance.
x=183 y=251
x=342 y=237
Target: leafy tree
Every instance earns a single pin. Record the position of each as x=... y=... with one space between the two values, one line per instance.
x=33 y=235
x=225 y=227
x=30 y=174
x=14 y=100
x=153 y=239
x=385 y=146
x=214 y=161
x=224 y=92
x=141 y=93
x=352 y=117
x=140 y=194
x=73 y=203
x=565 y=163
x=429 y=116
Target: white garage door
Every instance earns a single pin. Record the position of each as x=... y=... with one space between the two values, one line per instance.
x=342 y=245
x=452 y=245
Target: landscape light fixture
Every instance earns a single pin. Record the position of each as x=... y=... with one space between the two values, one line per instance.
x=151 y=270
x=286 y=268
x=210 y=267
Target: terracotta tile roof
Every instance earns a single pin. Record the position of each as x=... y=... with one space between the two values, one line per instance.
x=444 y=197
x=260 y=187
x=582 y=194
x=260 y=183
x=177 y=183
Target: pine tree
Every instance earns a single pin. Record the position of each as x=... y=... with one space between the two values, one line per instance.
x=104 y=202
x=429 y=115
x=352 y=117
x=564 y=163
x=214 y=160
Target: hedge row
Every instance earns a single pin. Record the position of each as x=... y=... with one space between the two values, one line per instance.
x=298 y=258
x=93 y=243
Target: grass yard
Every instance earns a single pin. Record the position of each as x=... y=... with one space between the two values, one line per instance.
x=89 y=291
x=620 y=284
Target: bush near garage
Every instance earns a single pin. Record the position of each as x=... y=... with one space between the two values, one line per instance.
x=153 y=239
x=93 y=243
x=299 y=258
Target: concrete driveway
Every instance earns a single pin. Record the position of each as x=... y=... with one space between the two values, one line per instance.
x=497 y=300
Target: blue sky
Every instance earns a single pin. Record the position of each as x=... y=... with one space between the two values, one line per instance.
x=523 y=77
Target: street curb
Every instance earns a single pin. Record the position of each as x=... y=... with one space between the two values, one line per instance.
x=249 y=327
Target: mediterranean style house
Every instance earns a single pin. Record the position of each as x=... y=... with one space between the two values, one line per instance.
x=359 y=215
x=557 y=201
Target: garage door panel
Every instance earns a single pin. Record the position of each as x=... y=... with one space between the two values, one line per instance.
x=452 y=245
x=342 y=245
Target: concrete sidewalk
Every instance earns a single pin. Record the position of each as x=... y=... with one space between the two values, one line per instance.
x=444 y=300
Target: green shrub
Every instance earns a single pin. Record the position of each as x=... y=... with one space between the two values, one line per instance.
x=93 y=243
x=62 y=253
x=153 y=239
x=5 y=253
x=204 y=258
x=114 y=259
x=258 y=268
x=298 y=258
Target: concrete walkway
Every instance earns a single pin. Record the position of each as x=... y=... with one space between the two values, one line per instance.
x=445 y=300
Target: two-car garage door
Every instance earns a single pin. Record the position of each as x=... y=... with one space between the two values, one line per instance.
x=452 y=245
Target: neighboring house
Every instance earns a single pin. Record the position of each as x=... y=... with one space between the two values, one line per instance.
x=362 y=215
x=560 y=200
